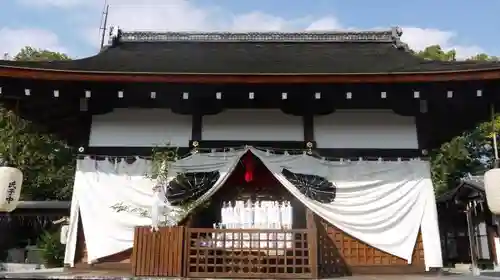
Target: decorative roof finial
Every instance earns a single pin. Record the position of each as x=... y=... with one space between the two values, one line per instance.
x=397 y=32
x=114 y=35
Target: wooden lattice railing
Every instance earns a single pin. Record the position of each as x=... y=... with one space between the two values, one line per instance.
x=248 y=253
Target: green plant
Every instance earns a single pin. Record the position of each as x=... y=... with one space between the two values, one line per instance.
x=51 y=249
x=161 y=159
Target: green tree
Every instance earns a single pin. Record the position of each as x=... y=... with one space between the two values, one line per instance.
x=46 y=162
x=484 y=57
x=33 y=54
x=469 y=153
x=435 y=52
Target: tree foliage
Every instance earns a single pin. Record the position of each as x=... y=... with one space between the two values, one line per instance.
x=484 y=57
x=435 y=52
x=469 y=153
x=46 y=162
x=33 y=54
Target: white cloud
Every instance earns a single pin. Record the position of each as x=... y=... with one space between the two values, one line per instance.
x=326 y=23
x=417 y=38
x=183 y=15
x=55 y=3
x=13 y=40
x=258 y=21
x=420 y=38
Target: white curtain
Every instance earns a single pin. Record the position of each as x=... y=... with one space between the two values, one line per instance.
x=99 y=187
x=380 y=203
x=112 y=198
x=225 y=163
x=383 y=204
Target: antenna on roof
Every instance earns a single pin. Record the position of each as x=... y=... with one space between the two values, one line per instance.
x=105 y=25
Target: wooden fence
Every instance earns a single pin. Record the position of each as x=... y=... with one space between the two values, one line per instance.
x=249 y=253
x=262 y=253
x=222 y=253
x=158 y=253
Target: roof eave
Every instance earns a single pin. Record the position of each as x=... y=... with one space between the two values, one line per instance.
x=258 y=78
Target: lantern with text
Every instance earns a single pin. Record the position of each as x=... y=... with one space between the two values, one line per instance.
x=11 y=180
x=492 y=189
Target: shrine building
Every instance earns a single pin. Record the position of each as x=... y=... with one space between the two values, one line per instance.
x=299 y=155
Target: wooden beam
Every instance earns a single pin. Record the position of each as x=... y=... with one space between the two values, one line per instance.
x=280 y=146
x=264 y=78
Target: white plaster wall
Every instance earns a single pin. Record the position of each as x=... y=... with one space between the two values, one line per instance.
x=140 y=128
x=342 y=129
x=375 y=129
x=253 y=125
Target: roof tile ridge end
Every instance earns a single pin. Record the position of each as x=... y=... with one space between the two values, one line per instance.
x=396 y=33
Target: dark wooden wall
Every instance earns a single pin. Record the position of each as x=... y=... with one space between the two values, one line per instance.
x=341 y=254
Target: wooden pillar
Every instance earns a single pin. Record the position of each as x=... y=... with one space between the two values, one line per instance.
x=196 y=126
x=424 y=129
x=491 y=234
x=186 y=247
x=312 y=241
x=444 y=231
x=308 y=125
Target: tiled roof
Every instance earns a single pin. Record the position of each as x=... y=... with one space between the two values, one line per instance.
x=466 y=186
x=257 y=53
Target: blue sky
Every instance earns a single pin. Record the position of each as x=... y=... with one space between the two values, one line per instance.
x=72 y=26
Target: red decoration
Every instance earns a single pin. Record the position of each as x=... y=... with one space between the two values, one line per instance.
x=249 y=164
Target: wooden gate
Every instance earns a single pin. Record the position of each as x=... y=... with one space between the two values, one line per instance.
x=158 y=253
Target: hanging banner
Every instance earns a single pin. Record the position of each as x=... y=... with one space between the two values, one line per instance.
x=63 y=238
x=11 y=180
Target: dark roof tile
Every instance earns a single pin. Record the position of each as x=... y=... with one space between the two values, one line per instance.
x=257 y=53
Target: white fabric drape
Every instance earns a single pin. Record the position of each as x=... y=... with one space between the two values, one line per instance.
x=383 y=204
x=100 y=185
x=74 y=217
x=225 y=163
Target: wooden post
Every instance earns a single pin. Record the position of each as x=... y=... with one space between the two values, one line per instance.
x=472 y=241
x=491 y=234
x=186 y=244
x=312 y=241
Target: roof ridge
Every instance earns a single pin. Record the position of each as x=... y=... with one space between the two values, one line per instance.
x=392 y=35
